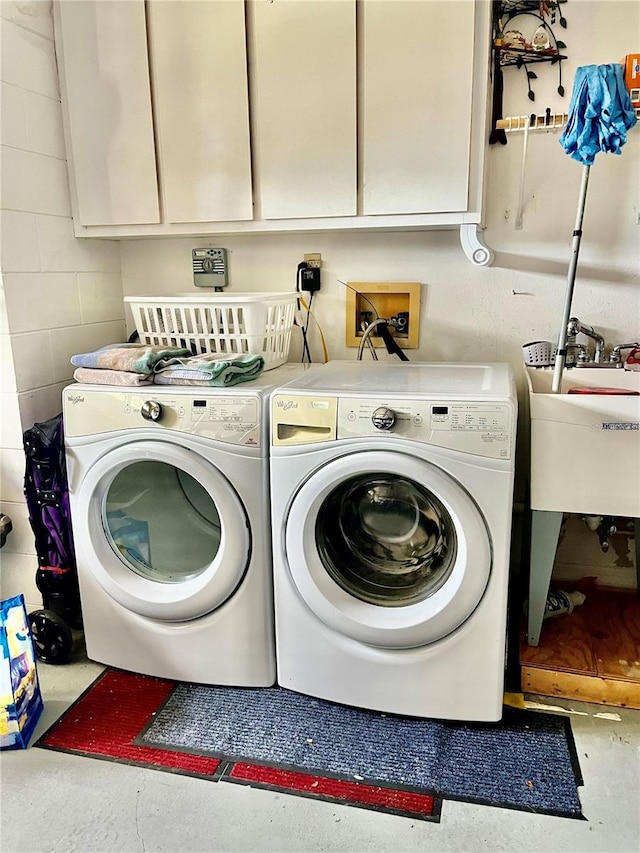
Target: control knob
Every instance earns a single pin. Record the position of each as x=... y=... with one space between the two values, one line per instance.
x=151 y=410
x=384 y=418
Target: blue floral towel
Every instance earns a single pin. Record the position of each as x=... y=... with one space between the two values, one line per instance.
x=600 y=113
x=132 y=358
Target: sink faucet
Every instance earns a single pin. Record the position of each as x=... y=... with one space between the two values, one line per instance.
x=575 y=327
x=616 y=352
x=577 y=353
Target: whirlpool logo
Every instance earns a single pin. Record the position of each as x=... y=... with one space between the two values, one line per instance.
x=286 y=405
x=75 y=398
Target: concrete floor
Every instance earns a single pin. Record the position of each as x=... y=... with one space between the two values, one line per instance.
x=63 y=803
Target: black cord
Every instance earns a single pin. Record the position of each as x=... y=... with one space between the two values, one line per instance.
x=375 y=310
x=305 y=343
x=306 y=325
x=391 y=344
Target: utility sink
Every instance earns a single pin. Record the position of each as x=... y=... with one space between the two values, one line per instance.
x=585 y=448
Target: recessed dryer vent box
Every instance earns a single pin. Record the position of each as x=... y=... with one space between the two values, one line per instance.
x=367 y=300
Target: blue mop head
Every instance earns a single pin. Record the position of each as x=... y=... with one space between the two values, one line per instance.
x=600 y=113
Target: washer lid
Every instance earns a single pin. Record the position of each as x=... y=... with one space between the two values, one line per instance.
x=411 y=379
x=161 y=530
x=387 y=549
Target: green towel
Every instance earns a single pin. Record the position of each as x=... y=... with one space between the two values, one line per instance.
x=214 y=371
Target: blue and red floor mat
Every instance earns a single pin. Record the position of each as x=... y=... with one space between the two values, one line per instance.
x=106 y=720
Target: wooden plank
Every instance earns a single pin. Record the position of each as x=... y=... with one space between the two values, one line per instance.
x=583 y=688
x=565 y=645
x=592 y=654
x=615 y=635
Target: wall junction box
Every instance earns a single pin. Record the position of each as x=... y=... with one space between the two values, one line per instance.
x=388 y=299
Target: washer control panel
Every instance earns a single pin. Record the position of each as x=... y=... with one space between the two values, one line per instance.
x=232 y=419
x=480 y=427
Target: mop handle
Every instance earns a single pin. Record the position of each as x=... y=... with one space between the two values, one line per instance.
x=561 y=355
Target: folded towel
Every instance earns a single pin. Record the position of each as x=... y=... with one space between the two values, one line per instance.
x=209 y=370
x=600 y=113
x=133 y=359
x=95 y=376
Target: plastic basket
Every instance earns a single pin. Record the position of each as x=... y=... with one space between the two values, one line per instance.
x=224 y=325
x=539 y=353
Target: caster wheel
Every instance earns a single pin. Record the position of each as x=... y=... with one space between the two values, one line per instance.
x=52 y=636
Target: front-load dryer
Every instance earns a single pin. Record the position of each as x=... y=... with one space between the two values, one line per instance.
x=392 y=489
x=169 y=502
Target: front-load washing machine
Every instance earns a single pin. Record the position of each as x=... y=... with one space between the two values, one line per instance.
x=169 y=502
x=392 y=491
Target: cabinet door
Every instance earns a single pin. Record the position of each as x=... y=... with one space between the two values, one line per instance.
x=107 y=100
x=303 y=56
x=416 y=86
x=199 y=70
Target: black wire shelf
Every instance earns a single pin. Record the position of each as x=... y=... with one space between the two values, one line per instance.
x=518 y=55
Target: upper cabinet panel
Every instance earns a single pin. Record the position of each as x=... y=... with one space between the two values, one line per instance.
x=199 y=72
x=273 y=115
x=104 y=78
x=303 y=82
x=416 y=88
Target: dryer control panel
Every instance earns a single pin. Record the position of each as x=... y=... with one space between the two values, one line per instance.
x=233 y=419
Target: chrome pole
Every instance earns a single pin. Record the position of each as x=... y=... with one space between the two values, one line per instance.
x=561 y=355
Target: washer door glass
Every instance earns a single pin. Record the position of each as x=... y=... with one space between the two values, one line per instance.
x=386 y=539
x=161 y=522
x=387 y=548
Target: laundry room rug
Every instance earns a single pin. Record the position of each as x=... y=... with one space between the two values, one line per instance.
x=527 y=761
x=113 y=711
x=107 y=720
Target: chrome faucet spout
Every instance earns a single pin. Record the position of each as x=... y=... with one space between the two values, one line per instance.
x=575 y=327
x=616 y=352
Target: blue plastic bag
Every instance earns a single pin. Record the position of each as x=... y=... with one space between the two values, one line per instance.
x=21 y=700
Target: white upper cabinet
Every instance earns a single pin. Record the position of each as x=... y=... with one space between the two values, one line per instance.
x=417 y=84
x=304 y=107
x=104 y=79
x=274 y=115
x=199 y=71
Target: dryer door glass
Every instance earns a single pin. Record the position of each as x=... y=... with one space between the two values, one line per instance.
x=386 y=539
x=161 y=522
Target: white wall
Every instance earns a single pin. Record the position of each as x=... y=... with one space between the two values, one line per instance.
x=59 y=295
x=475 y=313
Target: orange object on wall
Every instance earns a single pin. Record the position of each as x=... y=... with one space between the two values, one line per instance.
x=632 y=77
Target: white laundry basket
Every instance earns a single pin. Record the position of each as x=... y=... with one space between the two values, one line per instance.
x=221 y=324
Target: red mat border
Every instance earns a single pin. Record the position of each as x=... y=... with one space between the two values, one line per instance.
x=395 y=801
x=118 y=687
x=118 y=746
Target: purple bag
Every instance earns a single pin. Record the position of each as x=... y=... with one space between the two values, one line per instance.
x=47 y=496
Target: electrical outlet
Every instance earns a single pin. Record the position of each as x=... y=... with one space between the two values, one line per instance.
x=314 y=260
